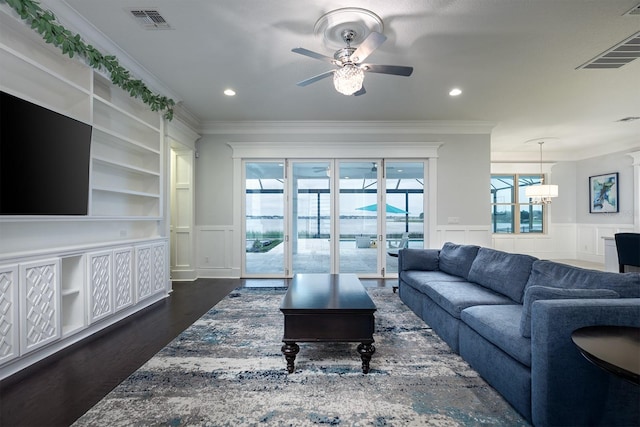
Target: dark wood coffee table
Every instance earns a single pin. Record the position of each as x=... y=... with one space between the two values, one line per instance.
x=327 y=308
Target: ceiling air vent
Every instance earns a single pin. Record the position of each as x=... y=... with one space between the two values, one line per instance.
x=150 y=19
x=617 y=56
x=635 y=10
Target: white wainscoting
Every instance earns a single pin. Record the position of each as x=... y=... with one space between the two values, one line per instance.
x=463 y=234
x=214 y=251
x=564 y=241
x=559 y=243
x=590 y=244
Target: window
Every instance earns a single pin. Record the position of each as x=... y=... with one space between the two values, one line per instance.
x=511 y=211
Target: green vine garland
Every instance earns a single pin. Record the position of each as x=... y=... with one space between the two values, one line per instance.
x=44 y=22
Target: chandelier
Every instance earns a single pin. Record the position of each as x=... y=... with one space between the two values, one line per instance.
x=541 y=193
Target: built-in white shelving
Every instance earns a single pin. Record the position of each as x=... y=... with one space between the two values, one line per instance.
x=72 y=293
x=126 y=167
x=82 y=273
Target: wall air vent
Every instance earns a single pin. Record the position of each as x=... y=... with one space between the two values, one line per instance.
x=616 y=56
x=635 y=10
x=149 y=19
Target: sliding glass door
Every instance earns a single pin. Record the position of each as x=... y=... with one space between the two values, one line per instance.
x=331 y=216
x=358 y=217
x=404 y=209
x=264 y=228
x=311 y=215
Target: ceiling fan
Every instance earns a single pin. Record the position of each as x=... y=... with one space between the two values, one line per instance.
x=349 y=75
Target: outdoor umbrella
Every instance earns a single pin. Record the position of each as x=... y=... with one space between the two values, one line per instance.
x=389 y=208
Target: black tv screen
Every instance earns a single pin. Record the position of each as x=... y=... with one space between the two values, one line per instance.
x=44 y=160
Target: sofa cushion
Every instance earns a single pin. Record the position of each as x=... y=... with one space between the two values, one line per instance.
x=457 y=259
x=418 y=259
x=556 y=275
x=418 y=279
x=454 y=297
x=535 y=293
x=500 y=325
x=503 y=272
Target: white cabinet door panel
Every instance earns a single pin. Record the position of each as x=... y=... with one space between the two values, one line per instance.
x=39 y=303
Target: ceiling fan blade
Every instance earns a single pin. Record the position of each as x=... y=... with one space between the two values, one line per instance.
x=371 y=43
x=315 y=78
x=396 y=70
x=362 y=91
x=311 y=54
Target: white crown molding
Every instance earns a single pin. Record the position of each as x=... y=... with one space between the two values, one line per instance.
x=181 y=132
x=75 y=22
x=521 y=167
x=635 y=155
x=566 y=156
x=351 y=150
x=346 y=127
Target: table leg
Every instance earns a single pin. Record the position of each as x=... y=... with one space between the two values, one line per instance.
x=366 y=350
x=290 y=349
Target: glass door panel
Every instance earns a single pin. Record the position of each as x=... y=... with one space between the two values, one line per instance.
x=264 y=219
x=358 y=217
x=311 y=214
x=404 y=209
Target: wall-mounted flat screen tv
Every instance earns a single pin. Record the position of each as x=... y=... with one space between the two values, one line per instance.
x=44 y=160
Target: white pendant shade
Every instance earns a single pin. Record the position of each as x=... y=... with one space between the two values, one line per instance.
x=541 y=193
x=348 y=79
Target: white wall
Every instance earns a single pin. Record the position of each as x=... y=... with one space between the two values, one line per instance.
x=615 y=162
x=464 y=173
x=591 y=228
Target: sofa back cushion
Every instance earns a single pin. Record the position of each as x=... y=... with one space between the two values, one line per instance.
x=502 y=272
x=535 y=293
x=457 y=259
x=418 y=259
x=556 y=275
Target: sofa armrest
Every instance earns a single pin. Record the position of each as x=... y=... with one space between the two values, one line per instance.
x=418 y=259
x=566 y=389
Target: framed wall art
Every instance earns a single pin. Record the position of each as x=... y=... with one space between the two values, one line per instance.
x=603 y=193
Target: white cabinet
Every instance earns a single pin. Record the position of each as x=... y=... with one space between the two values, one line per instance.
x=9 y=338
x=610 y=255
x=151 y=266
x=110 y=282
x=100 y=285
x=123 y=278
x=39 y=304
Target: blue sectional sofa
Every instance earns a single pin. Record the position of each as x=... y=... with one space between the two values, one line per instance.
x=510 y=316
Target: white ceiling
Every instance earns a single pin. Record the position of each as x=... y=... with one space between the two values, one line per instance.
x=515 y=61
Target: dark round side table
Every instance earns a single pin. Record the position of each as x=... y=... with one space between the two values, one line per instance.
x=615 y=349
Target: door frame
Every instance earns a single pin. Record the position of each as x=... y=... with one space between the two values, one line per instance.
x=313 y=150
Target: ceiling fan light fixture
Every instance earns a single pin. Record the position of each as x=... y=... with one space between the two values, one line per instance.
x=348 y=79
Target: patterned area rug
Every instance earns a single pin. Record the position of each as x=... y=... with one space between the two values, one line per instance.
x=227 y=370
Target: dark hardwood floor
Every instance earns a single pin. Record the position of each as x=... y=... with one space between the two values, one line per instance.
x=59 y=389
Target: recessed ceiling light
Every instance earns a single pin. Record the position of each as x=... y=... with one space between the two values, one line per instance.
x=455 y=92
x=229 y=92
